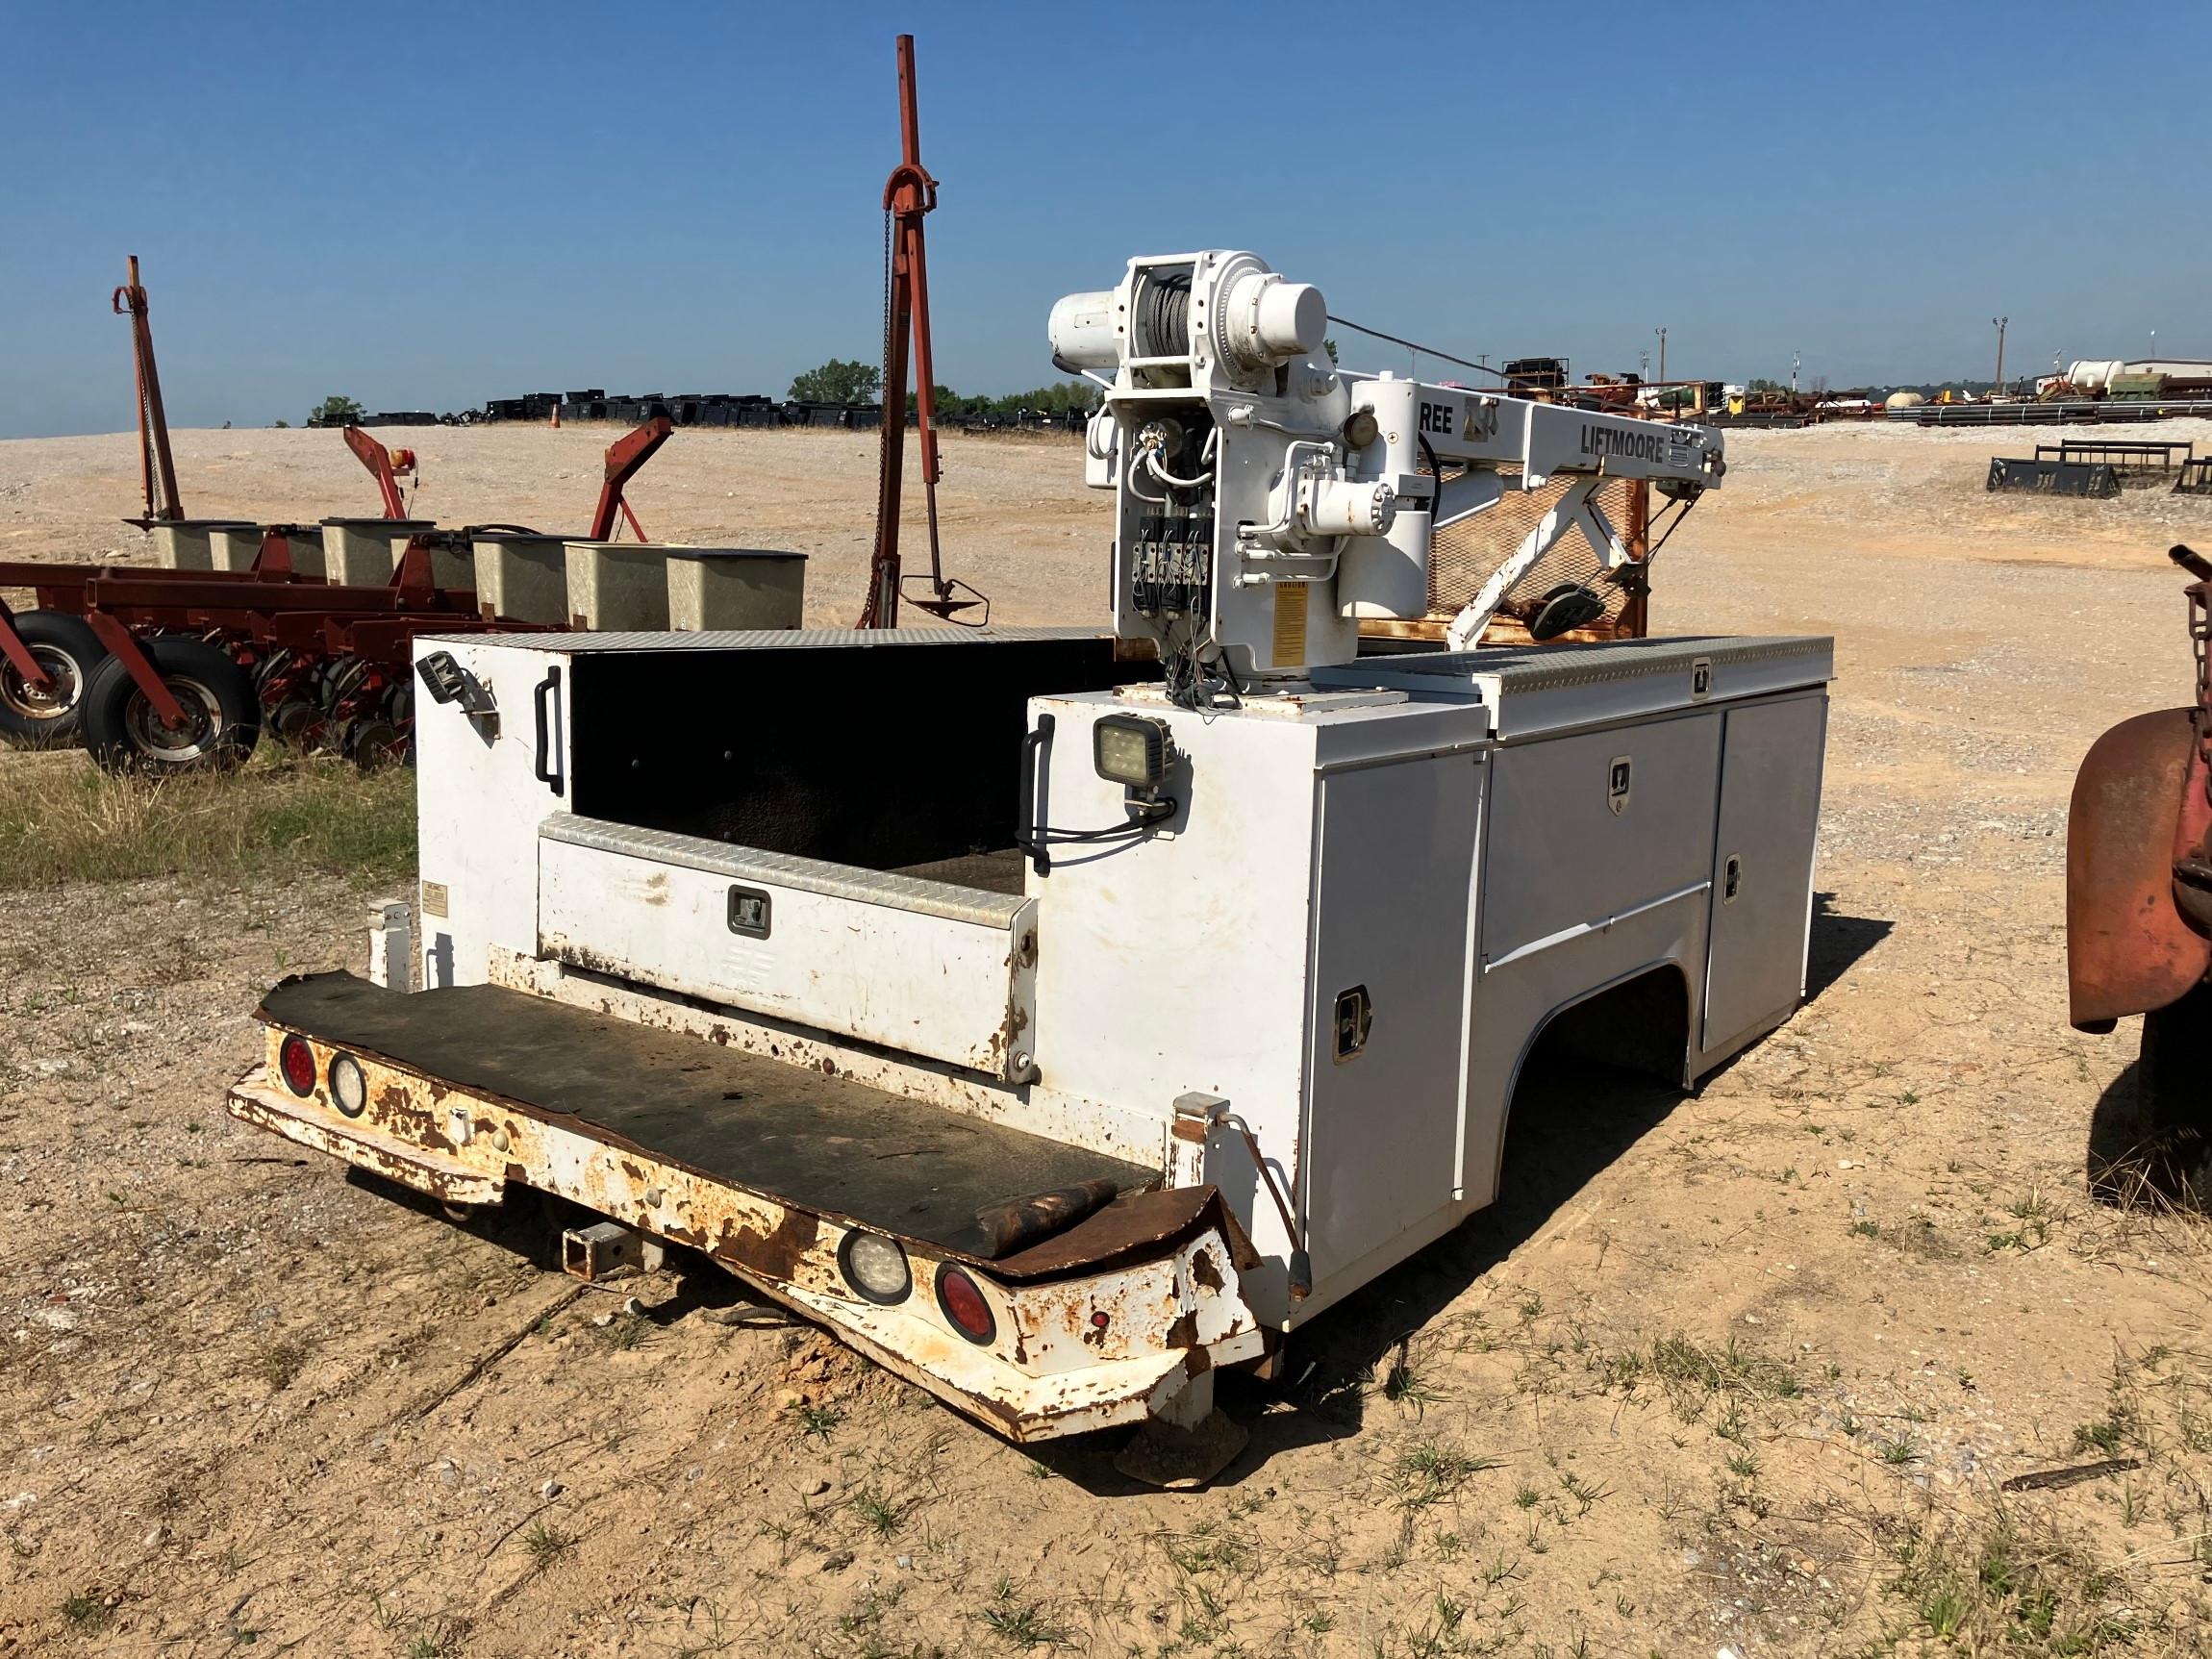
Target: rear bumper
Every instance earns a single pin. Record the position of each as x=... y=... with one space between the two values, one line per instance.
x=447 y=1179
x=1078 y=1345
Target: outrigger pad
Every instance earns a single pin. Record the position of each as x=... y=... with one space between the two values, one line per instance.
x=813 y=1139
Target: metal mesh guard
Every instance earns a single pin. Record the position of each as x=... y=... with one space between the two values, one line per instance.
x=1465 y=556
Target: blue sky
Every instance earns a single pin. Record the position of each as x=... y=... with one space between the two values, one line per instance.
x=425 y=206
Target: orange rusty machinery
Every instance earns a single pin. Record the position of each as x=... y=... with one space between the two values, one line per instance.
x=2139 y=909
x=908 y=196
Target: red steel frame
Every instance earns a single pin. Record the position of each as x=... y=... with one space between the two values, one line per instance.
x=384 y=466
x=908 y=196
x=153 y=457
x=624 y=456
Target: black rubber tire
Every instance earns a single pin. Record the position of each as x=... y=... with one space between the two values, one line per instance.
x=2176 y=1089
x=123 y=735
x=2158 y=1146
x=73 y=653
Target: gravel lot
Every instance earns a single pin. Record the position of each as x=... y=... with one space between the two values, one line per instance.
x=1740 y=1372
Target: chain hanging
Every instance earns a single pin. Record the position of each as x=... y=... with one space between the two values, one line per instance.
x=2201 y=645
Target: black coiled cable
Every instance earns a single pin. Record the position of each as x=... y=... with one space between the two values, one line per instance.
x=1163 y=316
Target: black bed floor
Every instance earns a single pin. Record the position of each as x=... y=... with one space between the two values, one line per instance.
x=998 y=871
x=821 y=1142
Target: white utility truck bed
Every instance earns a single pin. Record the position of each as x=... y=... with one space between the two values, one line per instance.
x=1060 y=1014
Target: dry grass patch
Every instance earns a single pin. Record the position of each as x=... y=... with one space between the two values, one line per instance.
x=1990 y=1589
x=279 y=1361
x=68 y=822
x=1682 y=1363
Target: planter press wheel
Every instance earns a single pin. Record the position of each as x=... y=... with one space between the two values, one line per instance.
x=222 y=716
x=372 y=743
x=69 y=652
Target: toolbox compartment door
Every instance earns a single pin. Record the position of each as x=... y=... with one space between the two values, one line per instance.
x=1389 y=1020
x=1763 y=867
x=1589 y=830
x=919 y=965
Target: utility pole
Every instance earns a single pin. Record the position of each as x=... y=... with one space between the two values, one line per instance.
x=1998 y=323
x=1661 y=333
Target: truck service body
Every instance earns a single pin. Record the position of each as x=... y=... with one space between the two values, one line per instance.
x=1057 y=1015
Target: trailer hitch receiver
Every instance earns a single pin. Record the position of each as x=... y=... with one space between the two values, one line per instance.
x=607 y=1251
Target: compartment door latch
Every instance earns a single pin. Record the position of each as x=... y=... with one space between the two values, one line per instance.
x=750 y=911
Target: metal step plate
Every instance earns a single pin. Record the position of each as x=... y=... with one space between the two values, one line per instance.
x=819 y=1141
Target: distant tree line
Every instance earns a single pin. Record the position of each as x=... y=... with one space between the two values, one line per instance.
x=841 y=381
x=837 y=381
x=1055 y=399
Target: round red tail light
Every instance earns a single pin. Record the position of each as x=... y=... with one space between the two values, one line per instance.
x=963 y=1305
x=296 y=1061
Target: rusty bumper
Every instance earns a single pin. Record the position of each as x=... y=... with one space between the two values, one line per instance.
x=2139 y=805
x=1077 y=1345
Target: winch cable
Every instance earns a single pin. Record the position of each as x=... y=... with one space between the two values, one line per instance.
x=1163 y=316
x=1416 y=346
x=1681 y=511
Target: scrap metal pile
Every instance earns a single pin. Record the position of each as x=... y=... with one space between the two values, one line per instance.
x=2099 y=468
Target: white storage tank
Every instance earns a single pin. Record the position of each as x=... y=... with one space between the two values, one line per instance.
x=736 y=587
x=521 y=577
x=618 y=586
x=235 y=547
x=364 y=552
x=188 y=543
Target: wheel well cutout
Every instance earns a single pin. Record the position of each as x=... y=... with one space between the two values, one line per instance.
x=1642 y=1025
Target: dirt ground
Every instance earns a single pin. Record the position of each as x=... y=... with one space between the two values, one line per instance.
x=1739 y=1372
